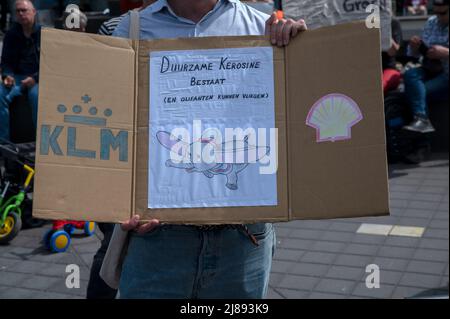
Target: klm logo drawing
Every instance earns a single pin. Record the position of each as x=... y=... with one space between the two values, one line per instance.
x=77 y=119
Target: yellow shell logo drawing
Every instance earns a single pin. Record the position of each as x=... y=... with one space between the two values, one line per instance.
x=333 y=117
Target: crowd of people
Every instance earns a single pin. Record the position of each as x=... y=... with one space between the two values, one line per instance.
x=20 y=59
x=427 y=81
x=423 y=83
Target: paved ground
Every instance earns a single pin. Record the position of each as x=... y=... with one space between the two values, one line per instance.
x=315 y=259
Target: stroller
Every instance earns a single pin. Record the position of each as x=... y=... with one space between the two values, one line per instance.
x=16 y=189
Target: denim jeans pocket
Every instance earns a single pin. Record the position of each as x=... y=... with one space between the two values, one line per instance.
x=260 y=230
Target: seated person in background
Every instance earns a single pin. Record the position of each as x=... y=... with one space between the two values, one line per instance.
x=391 y=76
x=20 y=63
x=416 y=7
x=430 y=81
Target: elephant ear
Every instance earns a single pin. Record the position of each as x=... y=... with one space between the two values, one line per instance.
x=169 y=141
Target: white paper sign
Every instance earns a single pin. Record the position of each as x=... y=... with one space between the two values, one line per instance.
x=212 y=137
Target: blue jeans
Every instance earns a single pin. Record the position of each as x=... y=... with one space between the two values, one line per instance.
x=419 y=88
x=7 y=95
x=184 y=262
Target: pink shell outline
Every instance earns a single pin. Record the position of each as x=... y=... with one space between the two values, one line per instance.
x=349 y=125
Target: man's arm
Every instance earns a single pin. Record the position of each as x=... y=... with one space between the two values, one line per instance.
x=9 y=56
x=107 y=28
x=397 y=32
x=415 y=42
x=123 y=29
x=438 y=52
x=104 y=30
x=427 y=33
x=397 y=38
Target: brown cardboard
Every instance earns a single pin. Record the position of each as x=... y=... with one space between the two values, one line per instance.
x=345 y=178
x=74 y=64
x=315 y=180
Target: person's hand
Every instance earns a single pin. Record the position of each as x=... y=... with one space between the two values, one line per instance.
x=412 y=10
x=29 y=82
x=437 y=52
x=415 y=43
x=134 y=224
x=423 y=10
x=9 y=81
x=281 y=31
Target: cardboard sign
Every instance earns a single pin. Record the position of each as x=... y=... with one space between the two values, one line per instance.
x=97 y=124
x=320 y=13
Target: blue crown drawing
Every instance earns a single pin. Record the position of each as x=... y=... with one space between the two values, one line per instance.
x=92 y=120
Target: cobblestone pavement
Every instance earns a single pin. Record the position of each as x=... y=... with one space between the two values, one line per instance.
x=314 y=259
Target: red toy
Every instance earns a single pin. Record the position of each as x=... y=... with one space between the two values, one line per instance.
x=58 y=238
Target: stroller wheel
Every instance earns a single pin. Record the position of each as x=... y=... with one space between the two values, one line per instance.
x=59 y=241
x=89 y=228
x=10 y=229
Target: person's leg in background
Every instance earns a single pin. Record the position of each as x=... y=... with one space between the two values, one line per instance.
x=97 y=288
x=33 y=97
x=4 y=112
x=416 y=93
x=418 y=90
x=391 y=79
x=437 y=88
x=7 y=95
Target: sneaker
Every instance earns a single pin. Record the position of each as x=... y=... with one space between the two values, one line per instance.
x=420 y=125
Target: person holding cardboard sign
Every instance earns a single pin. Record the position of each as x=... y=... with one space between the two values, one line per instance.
x=181 y=261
